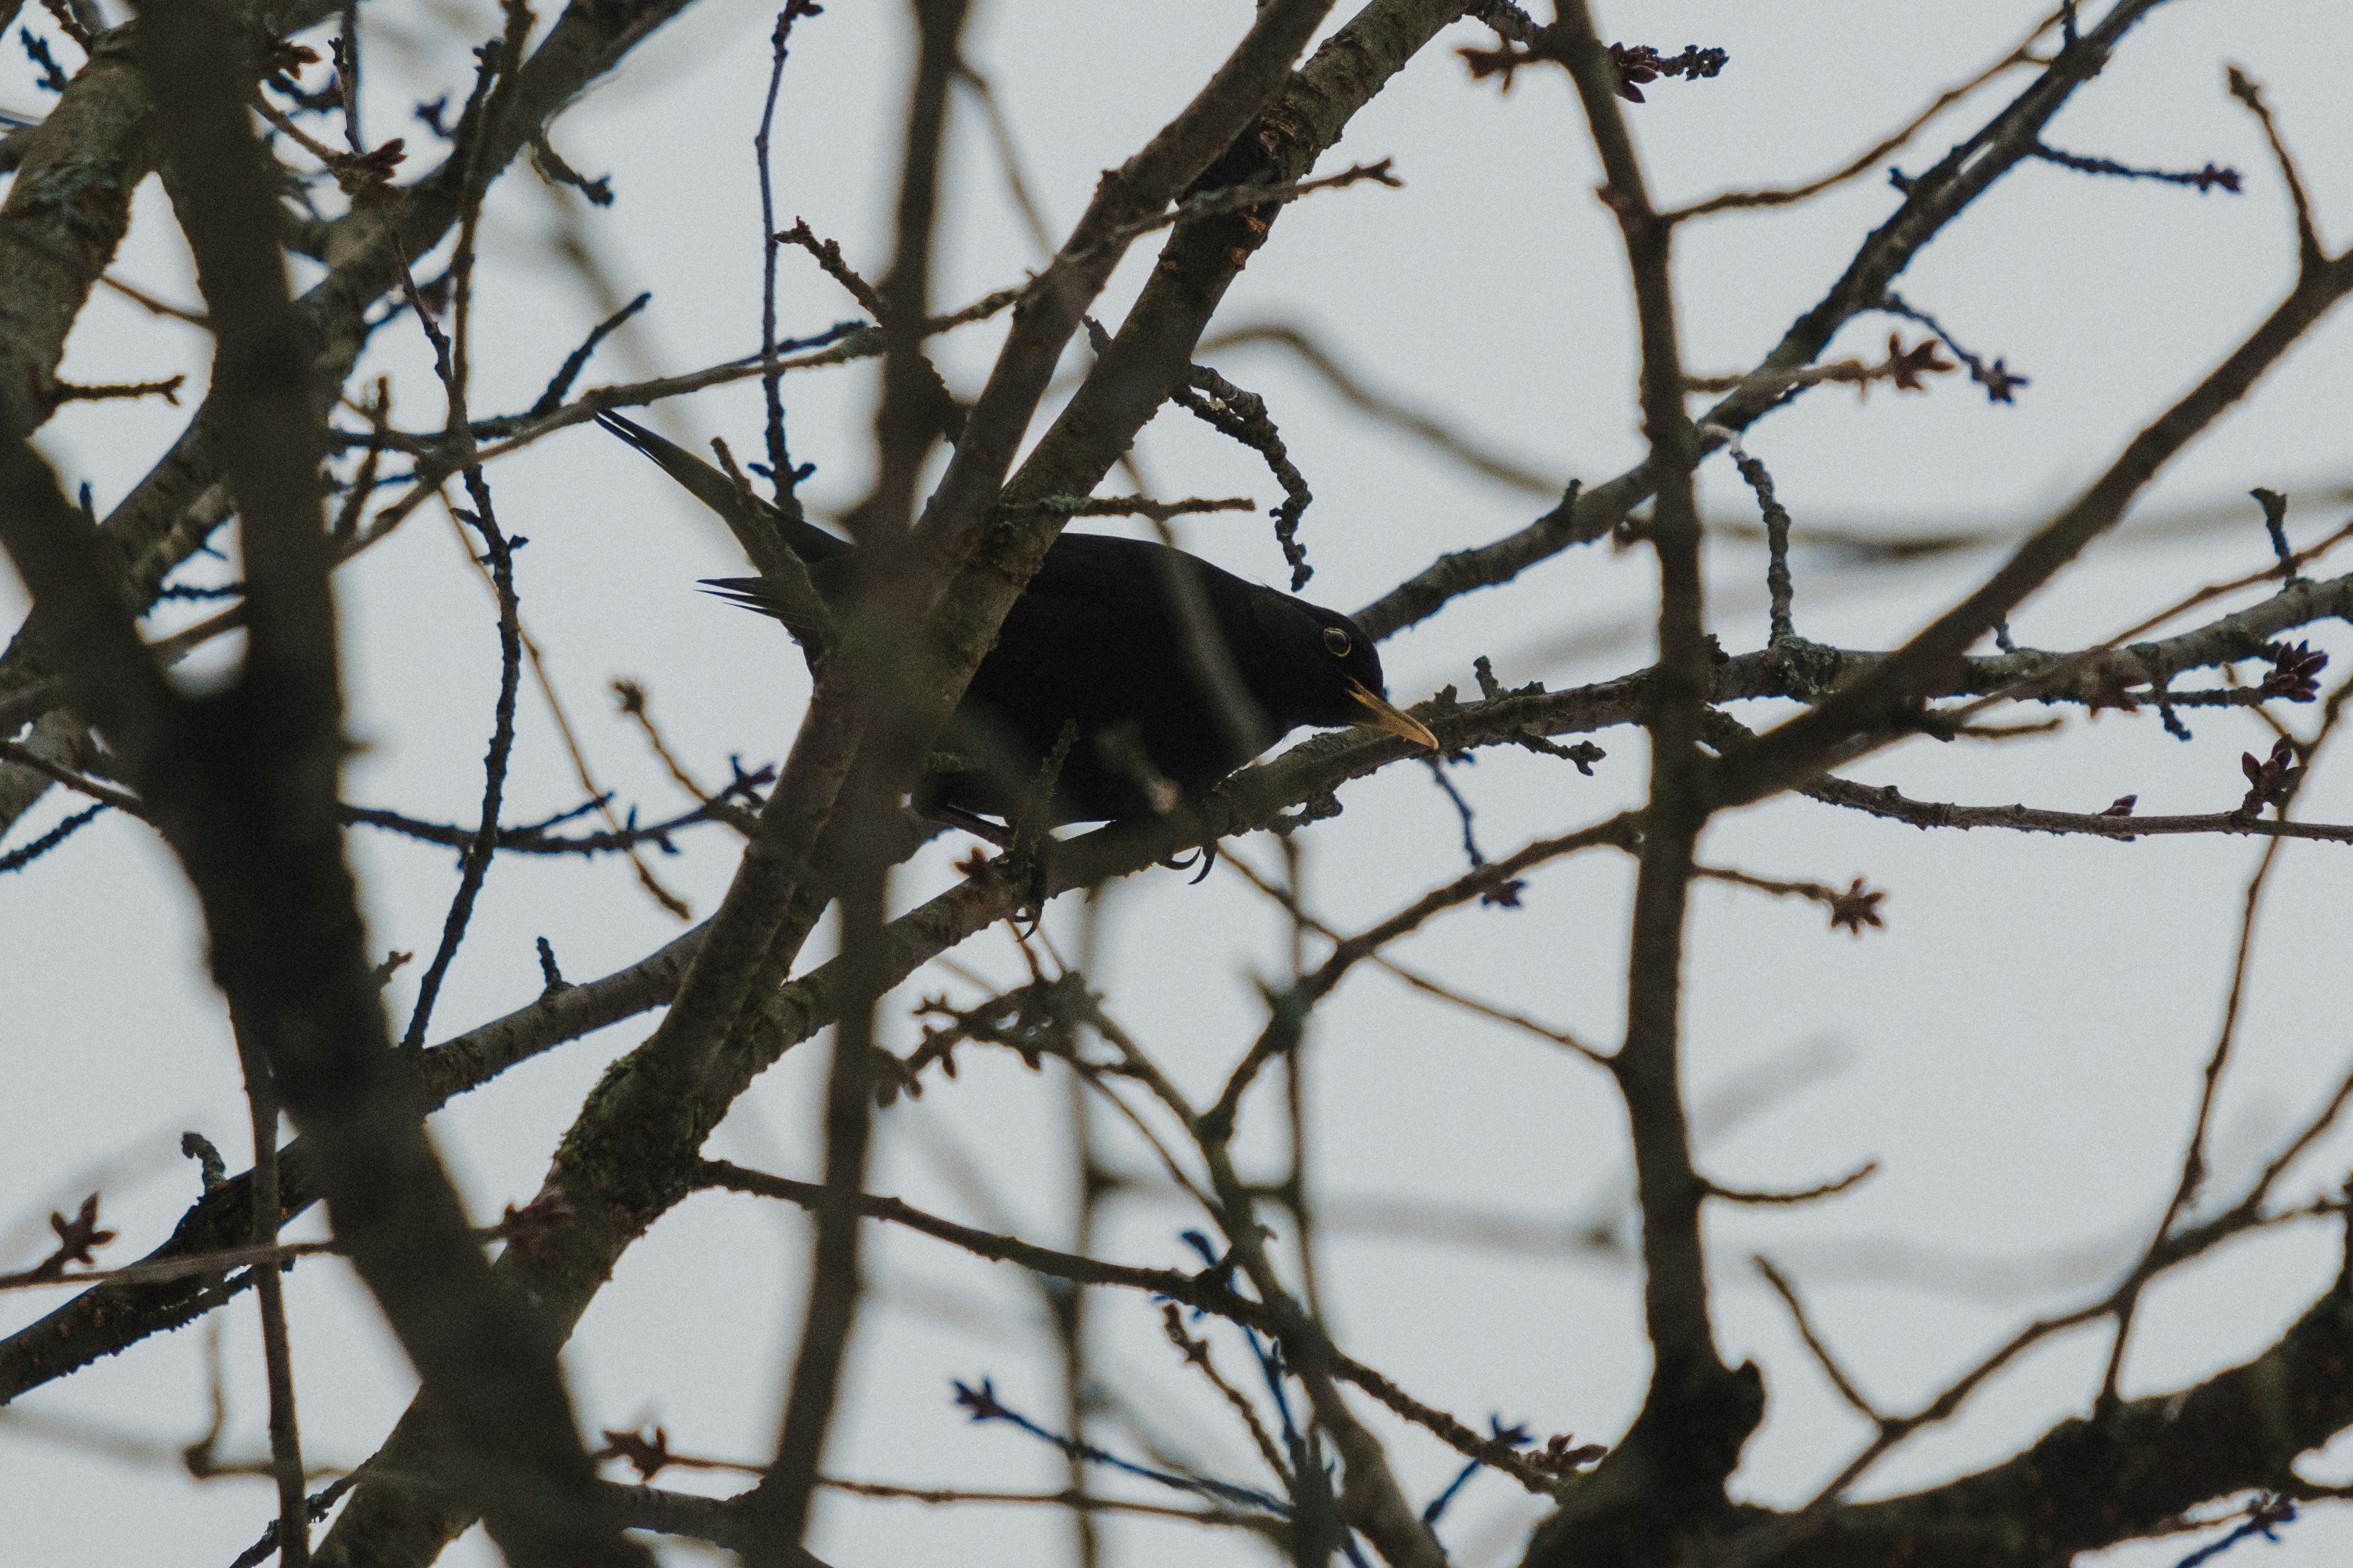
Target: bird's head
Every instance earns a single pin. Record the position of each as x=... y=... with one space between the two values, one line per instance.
x=1330 y=671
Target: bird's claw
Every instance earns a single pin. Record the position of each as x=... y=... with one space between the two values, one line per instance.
x=1206 y=856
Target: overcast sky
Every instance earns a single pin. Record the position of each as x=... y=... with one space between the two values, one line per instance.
x=2020 y=1049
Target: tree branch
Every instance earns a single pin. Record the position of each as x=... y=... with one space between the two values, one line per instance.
x=1934 y=200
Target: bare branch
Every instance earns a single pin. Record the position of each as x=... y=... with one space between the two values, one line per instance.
x=1886 y=801
x=1829 y=1364
x=1867 y=702
x=2020 y=56
x=1861 y=1173
x=1200 y=1290
x=1709 y=1407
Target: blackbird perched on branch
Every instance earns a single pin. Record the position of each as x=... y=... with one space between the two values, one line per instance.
x=1170 y=672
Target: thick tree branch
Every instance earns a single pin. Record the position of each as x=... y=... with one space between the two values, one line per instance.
x=1154 y=349
x=172 y=511
x=904 y=427
x=109 y=1318
x=2087 y=1484
x=244 y=786
x=71 y=206
x=626 y=1160
x=1697 y=1413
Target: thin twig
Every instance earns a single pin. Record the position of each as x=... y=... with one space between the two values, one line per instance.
x=167 y=389
x=576 y=361
x=23 y=855
x=621 y=837
x=1201 y=1290
x=1413 y=977
x=1068 y=1498
x=1243 y=198
x=2193 y=1159
x=1887 y=800
x=1489 y=1451
x=2194 y=1168
x=1861 y=1173
x=1823 y=1357
x=1009 y=160
x=827 y=253
x=1197 y=1353
x=1361 y=396
x=285 y=1430
x=2309 y=254
x=2020 y=56
x=1242 y=416
x=25 y=756
x=153 y=305
x=1281 y=1031
x=474 y=864
x=839 y=345
x=780 y=463
x=1855 y=907
x=1777 y=538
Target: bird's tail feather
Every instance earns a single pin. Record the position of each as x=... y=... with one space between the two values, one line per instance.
x=757 y=593
x=739 y=508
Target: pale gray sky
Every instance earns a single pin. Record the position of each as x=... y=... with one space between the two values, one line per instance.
x=2020 y=1049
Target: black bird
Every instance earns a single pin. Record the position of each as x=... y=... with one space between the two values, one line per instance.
x=1099 y=639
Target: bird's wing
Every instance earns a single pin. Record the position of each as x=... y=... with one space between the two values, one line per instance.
x=1094 y=637
x=1094 y=597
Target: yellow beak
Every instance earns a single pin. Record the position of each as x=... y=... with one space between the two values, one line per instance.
x=1394 y=719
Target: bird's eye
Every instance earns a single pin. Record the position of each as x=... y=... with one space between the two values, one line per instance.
x=1336 y=642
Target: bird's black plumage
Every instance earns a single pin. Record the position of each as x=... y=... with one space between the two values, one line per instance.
x=1099 y=639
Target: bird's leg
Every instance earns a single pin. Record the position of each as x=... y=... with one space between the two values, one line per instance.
x=1025 y=857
